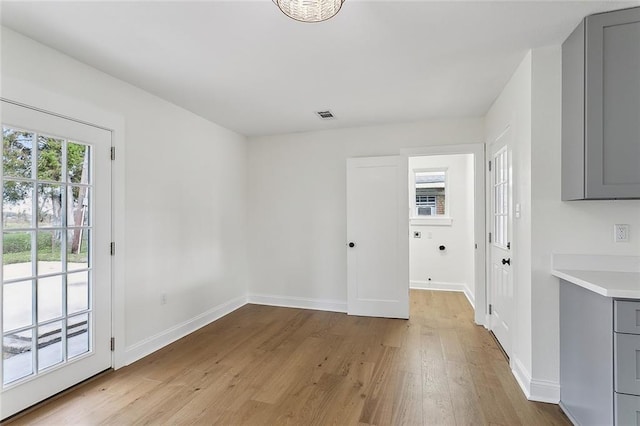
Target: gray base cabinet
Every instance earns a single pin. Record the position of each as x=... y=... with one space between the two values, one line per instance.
x=586 y=355
x=601 y=108
x=599 y=357
x=627 y=409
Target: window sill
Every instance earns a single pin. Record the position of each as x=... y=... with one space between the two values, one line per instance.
x=432 y=221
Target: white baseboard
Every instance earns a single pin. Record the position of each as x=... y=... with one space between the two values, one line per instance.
x=535 y=390
x=298 y=302
x=442 y=286
x=151 y=344
x=545 y=391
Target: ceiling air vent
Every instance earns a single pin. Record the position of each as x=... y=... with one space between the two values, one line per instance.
x=325 y=115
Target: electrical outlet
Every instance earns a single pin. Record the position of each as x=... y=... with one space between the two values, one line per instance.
x=163 y=299
x=621 y=233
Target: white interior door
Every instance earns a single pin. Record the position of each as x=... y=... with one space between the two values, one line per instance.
x=378 y=237
x=56 y=265
x=500 y=275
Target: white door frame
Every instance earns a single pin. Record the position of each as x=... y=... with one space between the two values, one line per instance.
x=25 y=94
x=479 y=202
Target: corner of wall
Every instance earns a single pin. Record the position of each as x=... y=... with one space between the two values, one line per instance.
x=535 y=390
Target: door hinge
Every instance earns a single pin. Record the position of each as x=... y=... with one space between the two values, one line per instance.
x=489 y=236
x=113 y=344
x=489 y=165
x=112 y=248
x=490 y=309
x=113 y=153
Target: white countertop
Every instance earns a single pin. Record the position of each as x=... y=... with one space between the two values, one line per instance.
x=609 y=276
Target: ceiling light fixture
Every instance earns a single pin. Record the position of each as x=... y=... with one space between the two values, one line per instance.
x=309 y=10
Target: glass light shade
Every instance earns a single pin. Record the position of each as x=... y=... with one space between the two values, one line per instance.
x=309 y=10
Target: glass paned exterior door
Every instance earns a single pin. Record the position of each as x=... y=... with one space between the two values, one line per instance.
x=52 y=294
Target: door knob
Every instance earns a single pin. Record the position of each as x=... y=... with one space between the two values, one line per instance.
x=506 y=261
x=352 y=244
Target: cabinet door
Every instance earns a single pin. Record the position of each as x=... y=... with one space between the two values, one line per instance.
x=627 y=363
x=613 y=105
x=627 y=317
x=627 y=410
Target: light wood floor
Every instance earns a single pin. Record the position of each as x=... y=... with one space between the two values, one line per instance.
x=269 y=366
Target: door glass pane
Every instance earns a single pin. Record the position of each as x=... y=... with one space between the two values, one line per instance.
x=50 y=252
x=77 y=292
x=49 y=159
x=17 y=204
x=16 y=355
x=17 y=147
x=49 y=206
x=78 y=156
x=78 y=249
x=16 y=305
x=77 y=335
x=49 y=345
x=78 y=206
x=50 y=298
x=16 y=255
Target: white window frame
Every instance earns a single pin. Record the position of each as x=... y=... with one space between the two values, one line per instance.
x=414 y=219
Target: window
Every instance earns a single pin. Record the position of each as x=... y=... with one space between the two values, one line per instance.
x=428 y=197
x=430 y=193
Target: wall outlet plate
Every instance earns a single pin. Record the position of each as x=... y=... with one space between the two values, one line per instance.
x=621 y=233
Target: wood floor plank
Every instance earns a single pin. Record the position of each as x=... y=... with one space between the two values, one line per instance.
x=263 y=365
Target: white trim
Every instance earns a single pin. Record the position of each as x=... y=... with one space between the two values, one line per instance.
x=170 y=335
x=480 y=224
x=522 y=376
x=545 y=391
x=431 y=221
x=442 y=286
x=31 y=95
x=535 y=390
x=436 y=285
x=298 y=302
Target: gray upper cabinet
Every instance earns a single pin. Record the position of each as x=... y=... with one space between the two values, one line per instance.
x=601 y=108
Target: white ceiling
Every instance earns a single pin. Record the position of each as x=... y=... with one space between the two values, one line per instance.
x=246 y=66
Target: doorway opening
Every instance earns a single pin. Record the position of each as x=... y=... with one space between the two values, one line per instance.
x=446 y=239
x=441 y=222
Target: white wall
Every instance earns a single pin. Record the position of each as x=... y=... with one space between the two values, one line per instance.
x=453 y=268
x=531 y=102
x=513 y=108
x=297 y=204
x=184 y=196
x=580 y=227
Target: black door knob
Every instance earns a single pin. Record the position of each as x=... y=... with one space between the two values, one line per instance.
x=506 y=261
x=352 y=244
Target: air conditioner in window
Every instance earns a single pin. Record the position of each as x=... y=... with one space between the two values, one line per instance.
x=426 y=211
